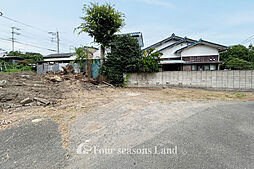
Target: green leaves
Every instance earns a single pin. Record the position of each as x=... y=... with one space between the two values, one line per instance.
x=238 y=64
x=124 y=58
x=127 y=57
x=238 y=58
x=150 y=60
x=32 y=57
x=101 y=22
x=81 y=56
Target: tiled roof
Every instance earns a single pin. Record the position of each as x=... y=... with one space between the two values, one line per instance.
x=219 y=47
x=60 y=55
x=185 y=39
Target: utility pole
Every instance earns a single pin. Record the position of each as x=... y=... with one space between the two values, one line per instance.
x=55 y=36
x=58 y=41
x=13 y=33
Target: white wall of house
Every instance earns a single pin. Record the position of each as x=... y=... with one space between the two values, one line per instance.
x=96 y=55
x=164 y=45
x=170 y=52
x=200 y=50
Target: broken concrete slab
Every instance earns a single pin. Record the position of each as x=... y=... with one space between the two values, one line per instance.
x=26 y=101
x=3 y=83
x=54 y=78
x=4 y=97
x=5 y=122
x=44 y=101
x=25 y=76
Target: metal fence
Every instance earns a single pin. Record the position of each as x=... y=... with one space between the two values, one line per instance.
x=45 y=67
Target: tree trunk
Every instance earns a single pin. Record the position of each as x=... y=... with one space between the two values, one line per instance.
x=102 y=53
x=89 y=68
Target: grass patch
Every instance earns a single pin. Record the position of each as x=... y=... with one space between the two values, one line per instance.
x=228 y=96
x=72 y=117
x=240 y=95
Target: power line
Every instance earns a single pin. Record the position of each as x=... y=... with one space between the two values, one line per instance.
x=34 y=27
x=248 y=39
x=27 y=44
x=55 y=34
x=2 y=49
x=25 y=35
x=35 y=46
x=35 y=38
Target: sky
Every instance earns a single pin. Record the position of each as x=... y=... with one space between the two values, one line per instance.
x=220 y=21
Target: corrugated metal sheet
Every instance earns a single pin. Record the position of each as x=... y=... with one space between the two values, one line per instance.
x=45 y=67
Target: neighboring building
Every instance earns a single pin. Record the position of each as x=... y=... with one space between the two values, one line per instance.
x=11 y=59
x=56 y=62
x=69 y=57
x=138 y=36
x=59 y=58
x=184 y=54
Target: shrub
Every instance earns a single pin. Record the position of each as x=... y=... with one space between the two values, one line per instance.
x=127 y=57
x=124 y=58
x=238 y=64
x=150 y=61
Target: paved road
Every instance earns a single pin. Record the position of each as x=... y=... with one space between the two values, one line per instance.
x=32 y=145
x=220 y=136
x=200 y=135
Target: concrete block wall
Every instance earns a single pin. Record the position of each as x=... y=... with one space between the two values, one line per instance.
x=240 y=80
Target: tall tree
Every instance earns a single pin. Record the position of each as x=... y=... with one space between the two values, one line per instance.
x=101 y=22
x=238 y=57
x=238 y=51
x=251 y=53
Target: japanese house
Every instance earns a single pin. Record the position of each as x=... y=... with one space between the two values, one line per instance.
x=185 y=54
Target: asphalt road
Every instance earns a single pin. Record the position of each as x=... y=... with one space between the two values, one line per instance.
x=199 y=136
x=218 y=137
x=32 y=145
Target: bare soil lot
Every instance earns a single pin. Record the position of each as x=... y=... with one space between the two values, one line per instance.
x=69 y=98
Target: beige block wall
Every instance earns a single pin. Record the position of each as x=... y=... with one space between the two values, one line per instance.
x=222 y=80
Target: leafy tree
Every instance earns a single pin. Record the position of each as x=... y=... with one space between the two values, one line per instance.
x=238 y=51
x=6 y=67
x=150 y=61
x=125 y=57
x=238 y=64
x=30 y=58
x=101 y=22
x=81 y=56
x=251 y=54
x=238 y=58
x=84 y=55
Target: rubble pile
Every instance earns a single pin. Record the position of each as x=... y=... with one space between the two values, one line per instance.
x=26 y=89
x=68 y=74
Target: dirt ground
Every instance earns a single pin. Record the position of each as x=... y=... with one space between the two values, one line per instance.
x=69 y=98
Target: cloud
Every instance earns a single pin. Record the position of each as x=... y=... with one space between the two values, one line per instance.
x=159 y=3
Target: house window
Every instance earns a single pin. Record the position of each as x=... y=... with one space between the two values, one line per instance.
x=207 y=67
x=194 y=67
x=212 y=67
